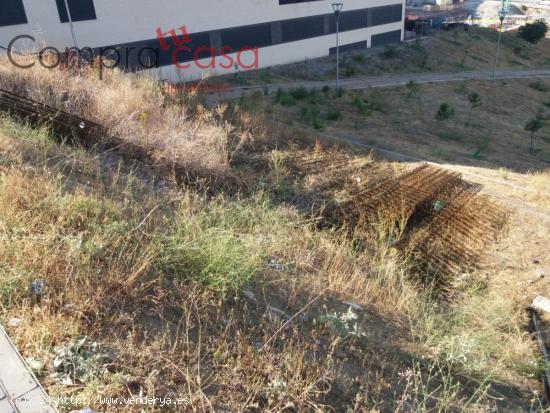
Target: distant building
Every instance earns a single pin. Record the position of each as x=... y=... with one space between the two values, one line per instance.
x=143 y=32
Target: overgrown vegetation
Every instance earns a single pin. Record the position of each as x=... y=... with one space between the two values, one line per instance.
x=241 y=300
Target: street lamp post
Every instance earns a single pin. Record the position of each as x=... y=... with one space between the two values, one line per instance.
x=502 y=13
x=73 y=34
x=337 y=7
x=71 y=24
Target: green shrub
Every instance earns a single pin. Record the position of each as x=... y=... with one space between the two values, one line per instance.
x=412 y=88
x=283 y=98
x=533 y=32
x=444 y=112
x=359 y=58
x=311 y=116
x=334 y=115
x=265 y=76
x=390 y=52
x=317 y=124
x=376 y=101
x=539 y=85
x=360 y=104
x=300 y=93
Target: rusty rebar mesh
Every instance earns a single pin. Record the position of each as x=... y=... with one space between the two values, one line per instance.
x=75 y=130
x=455 y=239
x=431 y=215
x=67 y=126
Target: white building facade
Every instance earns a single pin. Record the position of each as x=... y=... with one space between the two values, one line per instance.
x=181 y=40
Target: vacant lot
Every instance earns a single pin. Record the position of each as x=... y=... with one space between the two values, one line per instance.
x=244 y=283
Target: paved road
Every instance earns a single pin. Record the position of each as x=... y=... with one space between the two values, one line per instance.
x=393 y=80
x=20 y=392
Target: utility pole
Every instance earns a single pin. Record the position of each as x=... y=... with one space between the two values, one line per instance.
x=337 y=7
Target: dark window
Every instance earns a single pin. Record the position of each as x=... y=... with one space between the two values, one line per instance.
x=249 y=36
x=386 y=38
x=304 y=28
x=349 y=47
x=282 y=2
x=80 y=10
x=386 y=14
x=12 y=12
x=198 y=47
x=350 y=20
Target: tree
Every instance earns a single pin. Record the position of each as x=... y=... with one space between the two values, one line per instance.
x=445 y=112
x=475 y=102
x=533 y=32
x=534 y=125
x=413 y=88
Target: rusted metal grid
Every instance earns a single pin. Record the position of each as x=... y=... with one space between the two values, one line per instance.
x=442 y=241
x=455 y=239
x=326 y=172
x=408 y=195
x=67 y=126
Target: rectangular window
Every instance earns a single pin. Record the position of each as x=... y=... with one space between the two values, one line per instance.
x=387 y=14
x=81 y=10
x=12 y=12
x=303 y=28
x=283 y=2
x=382 y=39
x=350 y=20
x=349 y=47
x=249 y=36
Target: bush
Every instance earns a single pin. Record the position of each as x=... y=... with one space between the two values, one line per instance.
x=334 y=115
x=359 y=58
x=284 y=99
x=539 y=85
x=360 y=104
x=300 y=93
x=412 y=88
x=376 y=101
x=350 y=70
x=533 y=32
x=390 y=52
x=444 y=112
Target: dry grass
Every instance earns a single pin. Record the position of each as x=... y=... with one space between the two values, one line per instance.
x=134 y=109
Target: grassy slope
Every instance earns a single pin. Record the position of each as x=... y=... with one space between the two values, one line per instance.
x=119 y=280
x=391 y=118
x=177 y=289
x=445 y=51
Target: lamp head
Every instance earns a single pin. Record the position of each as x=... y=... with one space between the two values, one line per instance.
x=504 y=10
x=337 y=7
